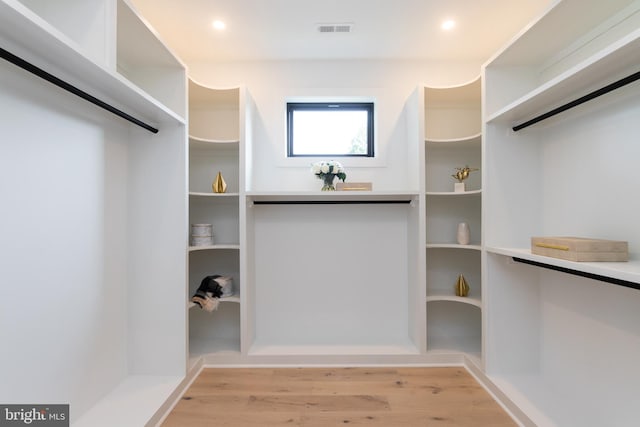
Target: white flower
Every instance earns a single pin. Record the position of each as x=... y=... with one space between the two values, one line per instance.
x=315 y=168
x=325 y=168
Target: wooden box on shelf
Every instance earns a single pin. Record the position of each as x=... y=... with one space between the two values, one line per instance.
x=580 y=248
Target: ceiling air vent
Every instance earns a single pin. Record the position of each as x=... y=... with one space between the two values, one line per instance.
x=335 y=28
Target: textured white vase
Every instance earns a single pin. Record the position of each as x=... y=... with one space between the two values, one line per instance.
x=463 y=233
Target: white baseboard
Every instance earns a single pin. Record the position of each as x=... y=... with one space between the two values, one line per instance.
x=163 y=411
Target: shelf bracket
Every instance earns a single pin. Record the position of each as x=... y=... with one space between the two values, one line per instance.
x=27 y=66
x=588 y=97
x=612 y=280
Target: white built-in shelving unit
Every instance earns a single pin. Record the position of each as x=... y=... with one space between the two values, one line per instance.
x=563 y=348
x=452 y=123
x=112 y=207
x=110 y=231
x=215 y=146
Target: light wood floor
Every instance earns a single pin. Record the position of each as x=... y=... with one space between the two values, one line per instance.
x=320 y=397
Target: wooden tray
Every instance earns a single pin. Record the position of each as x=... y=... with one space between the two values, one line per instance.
x=580 y=249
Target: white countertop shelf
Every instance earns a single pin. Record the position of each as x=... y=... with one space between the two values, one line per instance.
x=617 y=271
x=333 y=196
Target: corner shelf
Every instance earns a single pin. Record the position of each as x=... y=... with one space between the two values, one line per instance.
x=214 y=247
x=232 y=299
x=454 y=327
x=467 y=141
x=208 y=141
x=454 y=193
x=215 y=146
x=456 y=299
x=453 y=138
x=453 y=246
x=203 y=194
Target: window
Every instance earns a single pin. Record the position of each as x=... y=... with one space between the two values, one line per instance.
x=330 y=129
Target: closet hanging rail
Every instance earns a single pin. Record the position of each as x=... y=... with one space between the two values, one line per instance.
x=588 y=97
x=8 y=56
x=608 y=279
x=331 y=202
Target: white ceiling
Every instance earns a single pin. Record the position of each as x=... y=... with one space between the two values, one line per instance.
x=383 y=29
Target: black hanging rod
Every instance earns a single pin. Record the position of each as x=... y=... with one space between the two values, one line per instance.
x=588 y=97
x=329 y=202
x=612 y=280
x=8 y=56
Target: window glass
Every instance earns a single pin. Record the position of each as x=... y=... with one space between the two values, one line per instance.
x=330 y=129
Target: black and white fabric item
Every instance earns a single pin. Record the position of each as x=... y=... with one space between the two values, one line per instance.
x=207 y=297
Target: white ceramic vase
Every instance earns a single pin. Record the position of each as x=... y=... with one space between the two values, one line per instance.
x=463 y=233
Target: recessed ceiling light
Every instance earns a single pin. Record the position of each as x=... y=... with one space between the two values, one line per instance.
x=219 y=25
x=448 y=25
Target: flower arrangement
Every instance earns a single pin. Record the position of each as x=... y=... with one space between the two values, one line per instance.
x=327 y=171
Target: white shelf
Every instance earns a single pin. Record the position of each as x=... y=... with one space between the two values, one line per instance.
x=471 y=140
x=219 y=346
x=216 y=146
x=213 y=195
x=144 y=60
x=214 y=247
x=213 y=113
x=629 y=271
x=605 y=66
x=453 y=246
x=207 y=141
x=454 y=326
x=25 y=34
x=232 y=299
x=453 y=113
x=453 y=298
x=453 y=193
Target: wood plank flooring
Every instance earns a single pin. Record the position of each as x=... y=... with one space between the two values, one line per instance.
x=323 y=397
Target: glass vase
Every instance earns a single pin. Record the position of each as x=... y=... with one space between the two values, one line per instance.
x=328 y=182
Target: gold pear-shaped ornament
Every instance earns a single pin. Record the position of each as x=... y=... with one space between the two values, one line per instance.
x=462 y=288
x=219 y=186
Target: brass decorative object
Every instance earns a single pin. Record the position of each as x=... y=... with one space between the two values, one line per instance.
x=219 y=186
x=462 y=288
x=463 y=173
